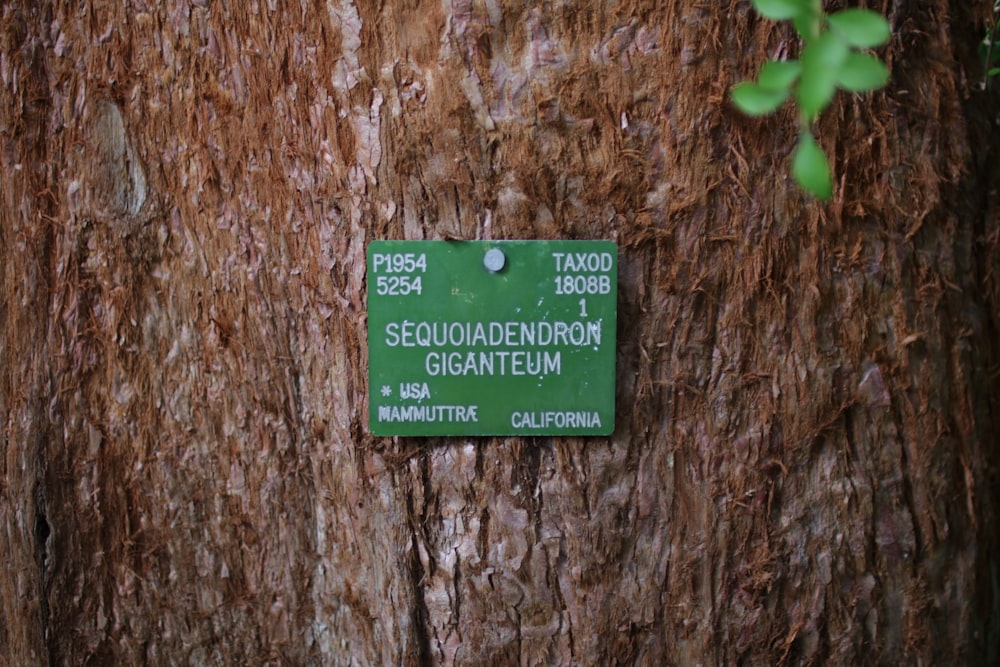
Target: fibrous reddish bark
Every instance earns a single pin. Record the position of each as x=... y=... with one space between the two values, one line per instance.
x=804 y=468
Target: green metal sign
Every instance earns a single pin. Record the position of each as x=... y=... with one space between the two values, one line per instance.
x=492 y=337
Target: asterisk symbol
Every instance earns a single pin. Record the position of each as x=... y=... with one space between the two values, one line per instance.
x=386 y=390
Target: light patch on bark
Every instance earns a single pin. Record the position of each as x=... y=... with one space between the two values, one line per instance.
x=113 y=182
x=367 y=126
x=348 y=71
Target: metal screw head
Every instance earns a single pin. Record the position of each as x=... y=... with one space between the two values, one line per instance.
x=494 y=260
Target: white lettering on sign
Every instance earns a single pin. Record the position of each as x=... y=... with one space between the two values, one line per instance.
x=583 y=274
x=577 y=284
x=501 y=362
x=488 y=360
x=398 y=285
x=416 y=391
x=399 y=262
x=581 y=262
x=493 y=334
x=428 y=413
x=574 y=419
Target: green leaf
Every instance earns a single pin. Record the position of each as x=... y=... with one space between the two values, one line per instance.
x=989 y=48
x=862 y=72
x=779 y=75
x=860 y=27
x=780 y=10
x=811 y=169
x=993 y=72
x=807 y=25
x=821 y=63
x=753 y=100
x=992 y=54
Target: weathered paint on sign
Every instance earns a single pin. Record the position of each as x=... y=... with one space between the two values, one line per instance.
x=492 y=337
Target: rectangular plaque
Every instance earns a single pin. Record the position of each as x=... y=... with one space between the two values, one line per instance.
x=492 y=337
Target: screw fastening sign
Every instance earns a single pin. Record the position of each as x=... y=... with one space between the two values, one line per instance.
x=492 y=337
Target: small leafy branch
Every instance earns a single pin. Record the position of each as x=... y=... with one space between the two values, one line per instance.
x=989 y=49
x=832 y=57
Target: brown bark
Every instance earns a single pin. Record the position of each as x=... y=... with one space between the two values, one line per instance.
x=804 y=467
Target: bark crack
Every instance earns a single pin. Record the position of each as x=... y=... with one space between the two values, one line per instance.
x=419 y=613
x=457 y=584
x=42 y=532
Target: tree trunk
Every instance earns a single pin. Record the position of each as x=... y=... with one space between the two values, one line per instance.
x=805 y=459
